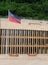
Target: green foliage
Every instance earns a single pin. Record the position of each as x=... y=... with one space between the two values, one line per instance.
x=37 y=9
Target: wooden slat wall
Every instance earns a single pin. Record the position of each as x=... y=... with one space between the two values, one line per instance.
x=24 y=42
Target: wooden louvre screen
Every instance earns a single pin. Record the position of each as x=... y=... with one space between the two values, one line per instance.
x=15 y=41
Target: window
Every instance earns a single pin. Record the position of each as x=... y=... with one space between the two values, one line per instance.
x=46 y=41
x=46 y=33
x=0 y=32
x=30 y=32
x=20 y=32
x=26 y=41
x=30 y=41
x=34 y=41
x=38 y=41
x=42 y=33
x=34 y=32
x=42 y=41
x=3 y=41
x=38 y=33
x=3 y=32
x=0 y=45
x=16 y=32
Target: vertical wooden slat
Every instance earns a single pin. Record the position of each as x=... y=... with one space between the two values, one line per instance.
x=1 y=45
x=17 y=44
x=36 y=41
x=40 y=42
x=32 y=42
x=10 y=45
x=28 y=45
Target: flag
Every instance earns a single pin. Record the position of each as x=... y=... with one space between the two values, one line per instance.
x=13 y=18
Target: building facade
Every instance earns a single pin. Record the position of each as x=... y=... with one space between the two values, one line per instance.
x=30 y=37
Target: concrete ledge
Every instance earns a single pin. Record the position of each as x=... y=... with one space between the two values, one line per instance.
x=25 y=57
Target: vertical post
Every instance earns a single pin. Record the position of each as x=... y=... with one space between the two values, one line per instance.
x=7 y=33
x=36 y=42
x=15 y=41
x=32 y=42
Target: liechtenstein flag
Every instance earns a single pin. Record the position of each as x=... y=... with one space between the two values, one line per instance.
x=13 y=18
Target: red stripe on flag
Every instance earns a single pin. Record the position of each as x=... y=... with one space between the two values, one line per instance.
x=13 y=19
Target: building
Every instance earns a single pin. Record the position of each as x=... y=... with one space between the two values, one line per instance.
x=30 y=37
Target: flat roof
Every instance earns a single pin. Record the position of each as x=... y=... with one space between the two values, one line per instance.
x=25 y=24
